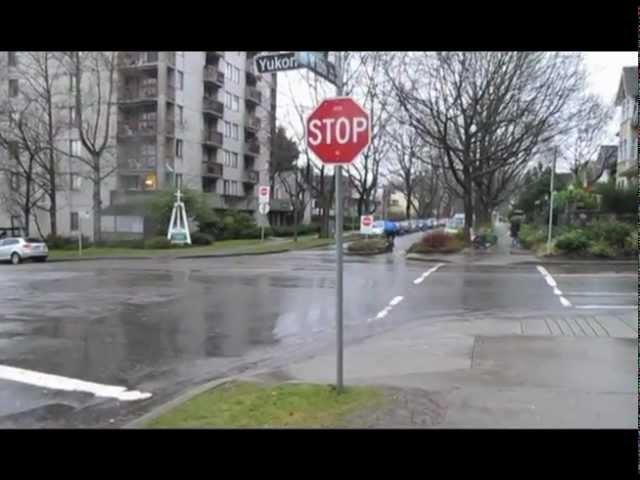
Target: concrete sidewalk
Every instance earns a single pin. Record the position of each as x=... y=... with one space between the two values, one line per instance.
x=495 y=373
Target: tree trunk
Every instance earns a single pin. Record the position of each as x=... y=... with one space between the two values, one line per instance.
x=53 y=221
x=324 y=229
x=97 y=204
x=295 y=224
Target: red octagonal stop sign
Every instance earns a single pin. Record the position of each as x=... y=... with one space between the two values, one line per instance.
x=338 y=130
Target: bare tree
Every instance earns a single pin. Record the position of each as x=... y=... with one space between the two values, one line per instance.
x=405 y=165
x=294 y=183
x=486 y=111
x=40 y=73
x=23 y=145
x=373 y=91
x=94 y=78
x=580 y=146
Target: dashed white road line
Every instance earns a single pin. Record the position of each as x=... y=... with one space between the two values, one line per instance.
x=421 y=278
x=552 y=283
x=385 y=311
x=57 y=382
x=606 y=306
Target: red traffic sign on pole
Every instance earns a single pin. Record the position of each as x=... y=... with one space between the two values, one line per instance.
x=338 y=130
x=264 y=192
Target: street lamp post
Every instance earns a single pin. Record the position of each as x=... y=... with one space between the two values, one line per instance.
x=553 y=172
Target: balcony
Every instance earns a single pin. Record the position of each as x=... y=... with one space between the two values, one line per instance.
x=253 y=95
x=252 y=147
x=131 y=95
x=213 y=75
x=217 y=55
x=253 y=123
x=211 y=138
x=171 y=58
x=250 y=176
x=170 y=127
x=136 y=60
x=211 y=106
x=212 y=169
x=141 y=129
x=135 y=163
x=250 y=69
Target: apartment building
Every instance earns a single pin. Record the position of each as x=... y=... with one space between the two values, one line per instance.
x=627 y=101
x=202 y=120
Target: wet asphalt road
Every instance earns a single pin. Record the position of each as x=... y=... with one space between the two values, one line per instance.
x=160 y=326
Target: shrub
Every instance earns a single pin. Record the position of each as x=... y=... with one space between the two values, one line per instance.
x=531 y=235
x=631 y=242
x=374 y=245
x=199 y=238
x=287 y=230
x=601 y=249
x=613 y=233
x=437 y=242
x=65 y=243
x=459 y=236
x=157 y=243
x=573 y=241
x=618 y=200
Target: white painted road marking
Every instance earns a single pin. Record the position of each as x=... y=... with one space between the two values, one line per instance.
x=552 y=283
x=602 y=294
x=56 y=382
x=607 y=306
x=596 y=275
x=565 y=302
x=383 y=313
x=421 y=278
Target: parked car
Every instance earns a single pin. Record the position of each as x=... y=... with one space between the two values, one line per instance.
x=18 y=249
x=378 y=228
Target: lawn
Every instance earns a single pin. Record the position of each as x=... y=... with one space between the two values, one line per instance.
x=231 y=246
x=257 y=405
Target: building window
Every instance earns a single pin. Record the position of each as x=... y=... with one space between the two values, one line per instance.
x=14 y=182
x=236 y=75
x=74 y=181
x=228 y=100
x=72 y=83
x=72 y=115
x=179 y=148
x=227 y=129
x=13 y=87
x=227 y=158
x=75 y=221
x=129 y=182
x=234 y=159
x=14 y=151
x=236 y=131
x=226 y=187
x=12 y=59
x=74 y=147
x=236 y=104
x=181 y=115
x=180 y=80
x=150 y=181
x=228 y=71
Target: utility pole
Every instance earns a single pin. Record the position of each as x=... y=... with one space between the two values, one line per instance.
x=553 y=173
x=339 y=216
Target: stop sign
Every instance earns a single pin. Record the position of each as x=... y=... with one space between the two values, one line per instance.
x=338 y=130
x=367 y=221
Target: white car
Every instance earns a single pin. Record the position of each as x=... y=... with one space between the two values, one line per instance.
x=378 y=228
x=17 y=249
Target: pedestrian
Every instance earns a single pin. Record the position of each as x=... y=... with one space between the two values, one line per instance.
x=515 y=230
x=390 y=231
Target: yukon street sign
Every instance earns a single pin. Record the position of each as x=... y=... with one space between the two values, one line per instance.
x=317 y=62
x=276 y=62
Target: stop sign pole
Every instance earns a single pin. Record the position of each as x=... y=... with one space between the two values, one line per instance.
x=339 y=220
x=337 y=131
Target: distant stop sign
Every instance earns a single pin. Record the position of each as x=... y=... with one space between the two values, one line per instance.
x=367 y=221
x=338 y=130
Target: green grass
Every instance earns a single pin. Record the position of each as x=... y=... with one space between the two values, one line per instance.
x=258 y=405
x=233 y=246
